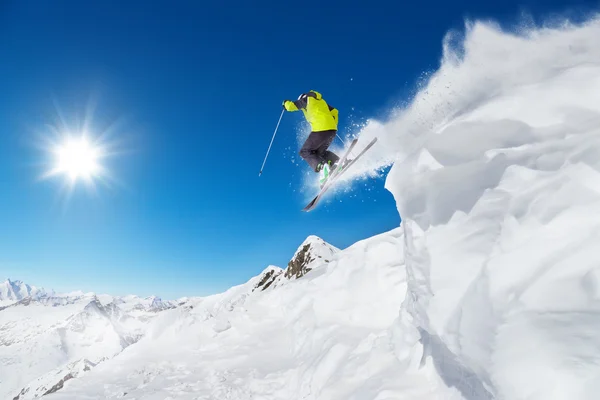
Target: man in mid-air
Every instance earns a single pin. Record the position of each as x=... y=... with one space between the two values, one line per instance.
x=323 y=120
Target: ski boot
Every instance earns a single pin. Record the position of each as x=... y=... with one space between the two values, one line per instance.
x=325 y=170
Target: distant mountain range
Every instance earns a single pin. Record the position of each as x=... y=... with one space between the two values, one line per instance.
x=48 y=338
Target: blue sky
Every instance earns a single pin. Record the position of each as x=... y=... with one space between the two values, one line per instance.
x=190 y=93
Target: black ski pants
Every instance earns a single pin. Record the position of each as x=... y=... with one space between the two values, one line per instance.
x=315 y=147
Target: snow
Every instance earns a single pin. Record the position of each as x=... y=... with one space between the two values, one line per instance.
x=500 y=202
x=319 y=248
x=54 y=380
x=489 y=289
x=306 y=338
x=45 y=338
x=13 y=291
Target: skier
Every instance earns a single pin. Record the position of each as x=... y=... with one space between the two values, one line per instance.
x=323 y=120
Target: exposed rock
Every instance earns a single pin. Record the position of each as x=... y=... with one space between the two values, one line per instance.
x=59 y=385
x=298 y=266
x=56 y=379
x=268 y=278
x=313 y=252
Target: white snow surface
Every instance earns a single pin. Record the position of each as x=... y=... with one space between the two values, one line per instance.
x=45 y=336
x=325 y=335
x=489 y=289
x=319 y=248
x=497 y=179
x=13 y=291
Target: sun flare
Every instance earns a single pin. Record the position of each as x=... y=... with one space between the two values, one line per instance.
x=77 y=158
x=76 y=153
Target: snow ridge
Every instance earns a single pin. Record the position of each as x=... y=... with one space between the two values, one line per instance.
x=499 y=197
x=300 y=338
x=13 y=291
x=313 y=252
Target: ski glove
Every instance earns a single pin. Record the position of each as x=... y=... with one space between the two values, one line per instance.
x=290 y=105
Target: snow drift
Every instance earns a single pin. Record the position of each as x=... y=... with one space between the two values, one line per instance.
x=490 y=289
x=307 y=337
x=499 y=191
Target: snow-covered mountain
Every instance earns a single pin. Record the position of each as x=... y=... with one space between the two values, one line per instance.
x=13 y=291
x=489 y=289
x=312 y=253
x=48 y=338
x=77 y=331
x=298 y=338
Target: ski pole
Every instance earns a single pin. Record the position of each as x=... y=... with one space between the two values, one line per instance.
x=273 y=138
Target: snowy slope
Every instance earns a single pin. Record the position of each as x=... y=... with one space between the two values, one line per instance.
x=13 y=291
x=497 y=179
x=45 y=338
x=54 y=380
x=325 y=335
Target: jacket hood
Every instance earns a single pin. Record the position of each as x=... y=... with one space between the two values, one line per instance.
x=319 y=97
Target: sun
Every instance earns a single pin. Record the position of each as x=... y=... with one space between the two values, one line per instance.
x=77 y=158
x=78 y=152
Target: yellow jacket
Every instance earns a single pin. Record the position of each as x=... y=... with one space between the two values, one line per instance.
x=320 y=115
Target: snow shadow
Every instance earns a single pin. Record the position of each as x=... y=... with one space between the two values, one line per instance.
x=451 y=370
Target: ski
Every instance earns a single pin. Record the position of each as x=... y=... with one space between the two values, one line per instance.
x=338 y=172
x=341 y=162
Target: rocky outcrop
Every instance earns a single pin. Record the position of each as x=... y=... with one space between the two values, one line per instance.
x=313 y=252
x=298 y=266
x=268 y=277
